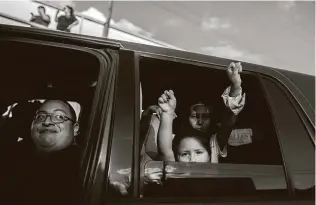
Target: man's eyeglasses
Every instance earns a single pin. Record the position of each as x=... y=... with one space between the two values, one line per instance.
x=58 y=118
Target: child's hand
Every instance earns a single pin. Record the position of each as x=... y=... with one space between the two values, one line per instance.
x=167 y=102
x=233 y=71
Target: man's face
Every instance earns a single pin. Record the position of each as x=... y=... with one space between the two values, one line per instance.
x=200 y=117
x=49 y=136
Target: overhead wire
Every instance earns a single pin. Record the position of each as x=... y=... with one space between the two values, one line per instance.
x=197 y=23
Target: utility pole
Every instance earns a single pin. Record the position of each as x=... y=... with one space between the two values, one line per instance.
x=108 y=20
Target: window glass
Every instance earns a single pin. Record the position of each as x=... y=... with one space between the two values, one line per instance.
x=45 y=105
x=253 y=157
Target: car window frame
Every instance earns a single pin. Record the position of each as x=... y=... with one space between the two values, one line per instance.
x=90 y=158
x=126 y=109
x=207 y=65
x=98 y=150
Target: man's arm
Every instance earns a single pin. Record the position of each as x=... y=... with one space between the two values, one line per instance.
x=56 y=16
x=76 y=22
x=32 y=17
x=234 y=102
x=46 y=17
x=167 y=103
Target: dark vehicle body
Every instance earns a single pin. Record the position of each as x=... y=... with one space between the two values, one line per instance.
x=114 y=138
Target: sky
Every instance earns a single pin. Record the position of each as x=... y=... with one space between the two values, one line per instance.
x=279 y=34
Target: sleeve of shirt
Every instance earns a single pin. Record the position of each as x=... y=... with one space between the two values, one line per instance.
x=235 y=104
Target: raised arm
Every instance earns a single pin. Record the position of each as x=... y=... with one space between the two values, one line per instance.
x=46 y=17
x=234 y=102
x=32 y=17
x=56 y=16
x=233 y=73
x=167 y=102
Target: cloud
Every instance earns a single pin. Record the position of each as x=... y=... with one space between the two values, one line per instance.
x=228 y=51
x=297 y=17
x=130 y=27
x=222 y=42
x=95 y=14
x=214 y=23
x=286 y=5
x=175 y=22
x=122 y=24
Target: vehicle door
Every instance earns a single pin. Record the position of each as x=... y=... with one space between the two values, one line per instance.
x=276 y=166
x=41 y=64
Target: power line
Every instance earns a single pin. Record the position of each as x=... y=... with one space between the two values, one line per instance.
x=196 y=23
x=171 y=11
x=179 y=4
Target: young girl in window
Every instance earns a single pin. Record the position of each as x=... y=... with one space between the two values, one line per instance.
x=192 y=147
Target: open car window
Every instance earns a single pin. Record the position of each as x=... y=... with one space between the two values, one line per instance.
x=49 y=94
x=254 y=161
x=190 y=83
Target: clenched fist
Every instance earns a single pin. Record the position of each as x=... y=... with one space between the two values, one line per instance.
x=167 y=102
x=233 y=73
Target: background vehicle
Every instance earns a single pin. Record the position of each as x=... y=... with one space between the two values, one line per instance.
x=105 y=77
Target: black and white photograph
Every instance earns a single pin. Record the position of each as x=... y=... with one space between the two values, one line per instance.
x=157 y=102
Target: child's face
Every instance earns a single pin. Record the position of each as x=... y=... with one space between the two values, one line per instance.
x=191 y=150
x=200 y=117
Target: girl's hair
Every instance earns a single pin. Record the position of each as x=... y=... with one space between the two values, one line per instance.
x=208 y=107
x=188 y=107
x=203 y=139
x=71 y=10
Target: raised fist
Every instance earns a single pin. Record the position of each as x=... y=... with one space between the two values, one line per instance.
x=167 y=102
x=233 y=73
